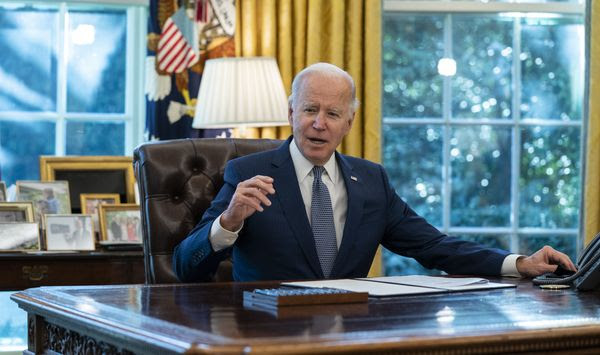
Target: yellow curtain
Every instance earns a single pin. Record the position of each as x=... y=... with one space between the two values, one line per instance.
x=298 y=33
x=592 y=178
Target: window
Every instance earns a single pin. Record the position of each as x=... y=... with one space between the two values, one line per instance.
x=483 y=116
x=69 y=82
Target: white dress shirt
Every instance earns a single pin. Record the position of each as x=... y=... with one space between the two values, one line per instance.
x=221 y=238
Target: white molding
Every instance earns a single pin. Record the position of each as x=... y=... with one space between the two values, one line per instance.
x=145 y=3
x=136 y=105
x=475 y=6
x=482 y=121
x=60 y=130
x=121 y=3
x=447 y=131
x=515 y=151
x=509 y=230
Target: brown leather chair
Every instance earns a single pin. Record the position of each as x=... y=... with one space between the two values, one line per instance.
x=177 y=181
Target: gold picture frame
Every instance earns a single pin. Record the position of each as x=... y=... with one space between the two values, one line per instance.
x=2 y=191
x=16 y=212
x=90 y=205
x=48 y=197
x=91 y=174
x=86 y=208
x=120 y=224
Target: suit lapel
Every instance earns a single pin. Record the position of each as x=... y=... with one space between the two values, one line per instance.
x=354 y=189
x=288 y=193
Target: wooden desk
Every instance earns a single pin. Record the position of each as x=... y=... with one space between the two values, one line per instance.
x=210 y=318
x=25 y=270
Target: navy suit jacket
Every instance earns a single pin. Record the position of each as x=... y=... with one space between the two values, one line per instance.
x=278 y=244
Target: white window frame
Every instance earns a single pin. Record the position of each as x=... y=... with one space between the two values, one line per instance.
x=516 y=122
x=135 y=105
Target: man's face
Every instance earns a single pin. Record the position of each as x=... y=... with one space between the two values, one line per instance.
x=321 y=116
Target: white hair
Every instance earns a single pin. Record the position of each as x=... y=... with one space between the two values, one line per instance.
x=324 y=69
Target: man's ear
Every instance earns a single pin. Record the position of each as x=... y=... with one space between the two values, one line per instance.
x=351 y=121
x=290 y=113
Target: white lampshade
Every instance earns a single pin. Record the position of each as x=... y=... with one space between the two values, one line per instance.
x=241 y=91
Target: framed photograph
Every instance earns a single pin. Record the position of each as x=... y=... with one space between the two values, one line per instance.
x=90 y=202
x=120 y=224
x=16 y=212
x=69 y=232
x=2 y=191
x=91 y=174
x=19 y=236
x=48 y=197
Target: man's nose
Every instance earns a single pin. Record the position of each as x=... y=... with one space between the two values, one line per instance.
x=319 y=122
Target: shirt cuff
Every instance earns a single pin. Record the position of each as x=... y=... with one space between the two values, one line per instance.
x=220 y=238
x=509 y=266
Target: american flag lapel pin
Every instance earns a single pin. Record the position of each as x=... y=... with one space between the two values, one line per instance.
x=353 y=178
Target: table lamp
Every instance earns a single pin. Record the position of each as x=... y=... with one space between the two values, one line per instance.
x=241 y=92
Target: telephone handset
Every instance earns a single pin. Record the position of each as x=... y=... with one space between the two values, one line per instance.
x=587 y=276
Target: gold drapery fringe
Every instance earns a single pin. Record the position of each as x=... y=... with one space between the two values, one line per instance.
x=592 y=179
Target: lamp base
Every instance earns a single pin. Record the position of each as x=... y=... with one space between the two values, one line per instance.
x=245 y=132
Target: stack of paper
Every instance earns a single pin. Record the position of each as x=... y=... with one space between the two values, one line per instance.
x=404 y=285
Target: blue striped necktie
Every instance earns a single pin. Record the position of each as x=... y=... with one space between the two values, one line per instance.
x=321 y=218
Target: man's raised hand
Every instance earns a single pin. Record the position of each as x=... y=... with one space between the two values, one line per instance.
x=249 y=196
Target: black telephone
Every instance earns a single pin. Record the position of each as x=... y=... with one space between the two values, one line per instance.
x=587 y=276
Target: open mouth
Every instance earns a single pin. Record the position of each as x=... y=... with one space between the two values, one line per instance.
x=317 y=141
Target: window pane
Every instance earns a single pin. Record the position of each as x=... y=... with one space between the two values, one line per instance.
x=529 y=244
x=28 y=61
x=550 y=177
x=96 y=57
x=529 y=1
x=480 y=163
x=417 y=180
x=541 y=58
x=482 y=49
x=400 y=265
x=95 y=138
x=412 y=46
x=492 y=241
x=552 y=65
x=21 y=144
x=13 y=325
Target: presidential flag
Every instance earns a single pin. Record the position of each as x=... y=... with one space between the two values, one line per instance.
x=203 y=11
x=178 y=44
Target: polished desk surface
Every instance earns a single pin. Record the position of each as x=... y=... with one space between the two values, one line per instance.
x=212 y=318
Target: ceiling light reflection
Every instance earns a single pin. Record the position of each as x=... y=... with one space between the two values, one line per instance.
x=446 y=67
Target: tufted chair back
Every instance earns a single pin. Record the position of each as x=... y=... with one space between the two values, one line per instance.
x=177 y=181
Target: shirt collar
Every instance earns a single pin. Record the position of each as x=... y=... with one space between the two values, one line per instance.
x=303 y=166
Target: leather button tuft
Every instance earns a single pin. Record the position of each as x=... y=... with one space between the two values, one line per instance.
x=195 y=170
x=175 y=198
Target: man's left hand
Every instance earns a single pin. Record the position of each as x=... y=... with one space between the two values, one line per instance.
x=543 y=261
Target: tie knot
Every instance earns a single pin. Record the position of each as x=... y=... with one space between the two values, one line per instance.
x=318 y=172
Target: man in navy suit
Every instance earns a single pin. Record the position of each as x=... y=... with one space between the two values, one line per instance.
x=264 y=215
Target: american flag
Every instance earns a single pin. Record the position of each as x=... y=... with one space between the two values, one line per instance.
x=178 y=44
